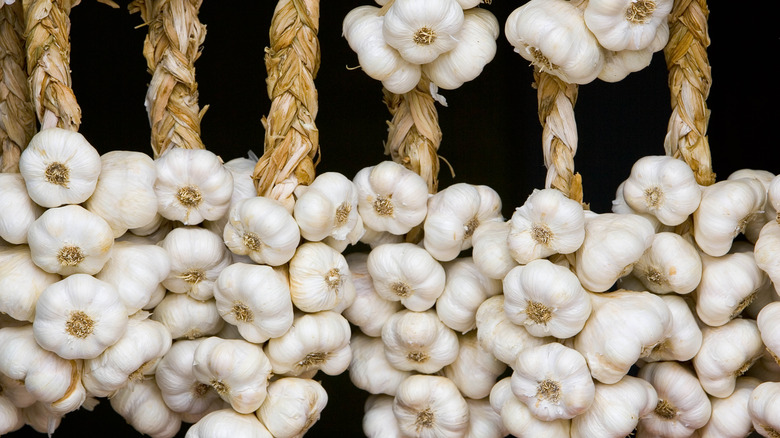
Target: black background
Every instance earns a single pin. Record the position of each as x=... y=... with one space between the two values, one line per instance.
x=491 y=131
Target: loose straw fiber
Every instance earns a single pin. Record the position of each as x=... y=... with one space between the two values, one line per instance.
x=17 y=118
x=172 y=45
x=291 y=137
x=689 y=83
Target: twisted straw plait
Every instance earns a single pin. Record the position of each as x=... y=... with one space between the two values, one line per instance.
x=414 y=135
x=17 y=119
x=556 y=99
x=689 y=83
x=291 y=137
x=172 y=45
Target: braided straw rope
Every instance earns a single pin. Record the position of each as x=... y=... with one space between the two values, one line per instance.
x=689 y=83
x=556 y=100
x=171 y=47
x=413 y=134
x=17 y=118
x=291 y=136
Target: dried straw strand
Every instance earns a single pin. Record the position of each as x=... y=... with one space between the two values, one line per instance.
x=555 y=100
x=689 y=82
x=172 y=45
x=17 y=118
x=413 y=134
x=47 y=33
x=291 y=142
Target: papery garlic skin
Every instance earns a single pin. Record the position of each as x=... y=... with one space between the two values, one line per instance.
x=754 y=225
x=465 y=289
x=141 y=405
x=262 y=229
x=18 y=212
x=124 y=195
x=258 y=316
x=765 y=252
x=685 y=337
x=10 y=416
x=616 y=409
x=547 y=223
x=670 y=264
x=227 y=423
x=41 y=419
x=293 y=405
x=454 y=213
x=175 y=376
x=187 y=317
x=378 y=418
x=546 y=299
x=391 y=197
x=374 y=238
x=430 y=406
x=21 y=282
x=241 y=168
x=407 y=273
x=730 y=417
x=763 y=406
x=79 y=317
x=419 y=341
x=192 y=185
x=197 y=257
x=422 y=31
x=768 y=322
x=500 y=336
x=517 y=417
x=69 y=239
x=728 y=285
x=327 y=207
x=484 y=421
x=552 y=35
x=490 y=249
x=369 y=368
x=320 y=279
x=626 y=24
x=16 y=392
x=475 y=370
x=59 y=167
x=368 y=311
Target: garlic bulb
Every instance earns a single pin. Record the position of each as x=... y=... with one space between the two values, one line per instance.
x=500 y=336
x=368 y=311
x=374 y=238
x=79 y=317
x=661 y=185
x=671 y=264
x=547 y=223
x=132 y=357
x=490 y=249
x=14 y=391
x=370 y=369
x=465 y=288
x=517 y=417
x=11 y=418
x=192 y=185
x=754 y=225
x=726 y=353
x=407 y=273
x=197 y=257
x=612 y=244
x=644 y=320
x=546 y=299
x=316 y=341
x=476 y=48
x=728 y=285
x=552 y=35
x=18 y=212
x=430 y=406
x=187 y=317
x=726 y=208
x=41 y=419
x=763 y=406
x=454 y=213
x=328 y=207
x=421 y=31
x=616 y=409
x=484 y=421
x=768 y=321
x=618 y=65
x=241 y=168
x=136 y=271
x=391 y=197
x=21 y=282
x=69 y=239
x=59 y=167
x=292 y=406
x=378 y=418
x=765 y=252
x=682 y=406
x=258 y=316
x=626 y=24
x=685 y=337
x=141 y=405
x=124 y=195
x=227 y=423
x=730 y=417
x=475 y=370
x=320 y=279
x=262 y=229
x=419 y=341
x=175 y=376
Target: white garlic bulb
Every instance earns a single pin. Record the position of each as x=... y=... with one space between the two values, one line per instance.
x=768 y=321
x=187 y=317
x=616 y=409
x=370 y=369
x=41 y=419
x=626 y=24
x=175 y=376
x=754 y=225
x=227 y=423
x=618 y=65
x=141 y=405
x=490 y=249
x=407 y=273
x=765 y=252
x=684 y=338
x=18 y=212
x=70 y=239
x=552 y=35
x=465 y=288
x=454 y=213
x=729 y=284
x=197 y=257
x=328 y=207
x=241 y=168
x=316 y=341
x=475 y=370
x=484 y=421
x=258 y=316
x=391 y=197
x=500 y=336
x=430 y=406
x=368 y=311
x=517 y=417
x=547 y=223
x=11 y=418
x=59 y=167
x=320 y=279
x=763 y=406
x=374 y=238
x=14 y=391
x=546 y=299
x=124 y=195
x=378 y=418
x=293 y=405
x=671 y=264
x=79 y=317
x=730 y=417
x=192 y=185
x=421 y=31
x=262 y=229
x=419 y=341
x=21 y=282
